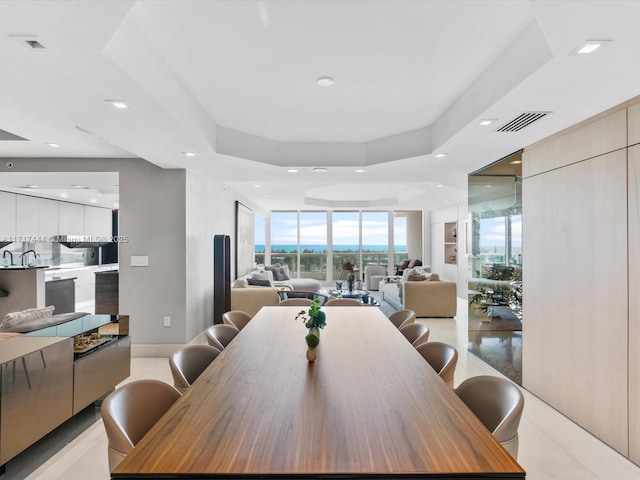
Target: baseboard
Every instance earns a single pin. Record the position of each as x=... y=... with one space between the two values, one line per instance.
x=154 y=350
x=143 y=350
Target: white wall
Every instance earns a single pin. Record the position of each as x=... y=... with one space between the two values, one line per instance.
x=414 y=235
x=458 y=272
x=210 y=210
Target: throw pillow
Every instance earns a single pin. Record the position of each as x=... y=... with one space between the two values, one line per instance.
x=406 y=273
x=285 y=269
x=278 y=271
x=267 y=276
x=434 y=277
x=240 y=283
x=404 y=263
x=258 y=283
x=11 y=320
x=416 y=278
x=278 y=274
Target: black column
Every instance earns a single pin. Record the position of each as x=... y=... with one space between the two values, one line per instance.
x=221 y=276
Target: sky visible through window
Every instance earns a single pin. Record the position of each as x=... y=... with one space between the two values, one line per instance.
x=493 y=232
x=345 y=230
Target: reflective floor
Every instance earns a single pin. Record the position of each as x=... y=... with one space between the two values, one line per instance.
x=551 y=446
x=495 y=336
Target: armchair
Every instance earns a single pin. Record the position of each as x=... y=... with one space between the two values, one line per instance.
x=373 y=274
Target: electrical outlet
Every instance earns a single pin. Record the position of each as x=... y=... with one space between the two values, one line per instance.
x=167 y=321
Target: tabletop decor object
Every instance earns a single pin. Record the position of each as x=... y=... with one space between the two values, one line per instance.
x=314 y=319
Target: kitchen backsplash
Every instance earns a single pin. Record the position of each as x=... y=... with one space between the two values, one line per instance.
x=49 y=253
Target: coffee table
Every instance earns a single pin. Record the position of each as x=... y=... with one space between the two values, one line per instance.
x=360 y=294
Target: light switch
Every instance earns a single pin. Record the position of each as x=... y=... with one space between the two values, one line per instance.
x=139 y=261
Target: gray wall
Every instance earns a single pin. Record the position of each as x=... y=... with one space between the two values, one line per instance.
x=170 y=226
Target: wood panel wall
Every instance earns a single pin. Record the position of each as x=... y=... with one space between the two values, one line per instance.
x=604 y=134
x=592 y=198
x=634 y=299
x=633 y=114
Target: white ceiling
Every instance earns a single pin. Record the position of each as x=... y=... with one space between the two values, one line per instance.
x=235 y=83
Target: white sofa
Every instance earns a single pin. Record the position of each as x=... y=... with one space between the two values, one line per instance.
x=251 y=299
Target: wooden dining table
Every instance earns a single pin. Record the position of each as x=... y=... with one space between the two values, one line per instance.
x=369 y=407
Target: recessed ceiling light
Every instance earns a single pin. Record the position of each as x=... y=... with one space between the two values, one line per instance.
x=93 y=200
x=116 y=205
x=516 y=162
x=26 y=187
x=488 y=186
x=589 y=46
x=121 y=104
x=360 y=170
x=189 y=154
x=54 y=145
x=440 y=185
x=440 y=155
x=80 y=186
x=293 y=170
x=320 y=170
x=257 y=185
x=63 y=195
x=325 y=81
x=487 y=121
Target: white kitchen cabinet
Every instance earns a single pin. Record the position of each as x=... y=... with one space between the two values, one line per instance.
x=8 y=216
x=48 y=217
x=97 y=222
x=71 y=220
x=27 y=217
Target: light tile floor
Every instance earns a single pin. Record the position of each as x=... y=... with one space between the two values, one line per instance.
x=551 y=446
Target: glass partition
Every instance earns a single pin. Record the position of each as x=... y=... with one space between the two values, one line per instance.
x=495 y=264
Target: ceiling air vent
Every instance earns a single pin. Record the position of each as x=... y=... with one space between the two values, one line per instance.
x=523 y=120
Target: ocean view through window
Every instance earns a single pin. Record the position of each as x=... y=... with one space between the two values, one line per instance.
x=309 y=241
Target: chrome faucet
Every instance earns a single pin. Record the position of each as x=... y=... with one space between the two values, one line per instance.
x=26 y=255
x=4 y=255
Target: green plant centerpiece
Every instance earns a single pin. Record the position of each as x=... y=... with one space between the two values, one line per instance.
x=314 y=320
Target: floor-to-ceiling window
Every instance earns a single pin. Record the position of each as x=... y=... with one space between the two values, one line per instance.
x=260 y=238
x=284 y=239
x=399 y=238
x=346 y=241
x=375 y=238
x=313 y=245
x=321 y=244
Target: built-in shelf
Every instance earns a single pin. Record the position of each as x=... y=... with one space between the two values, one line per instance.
x=451 y=243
